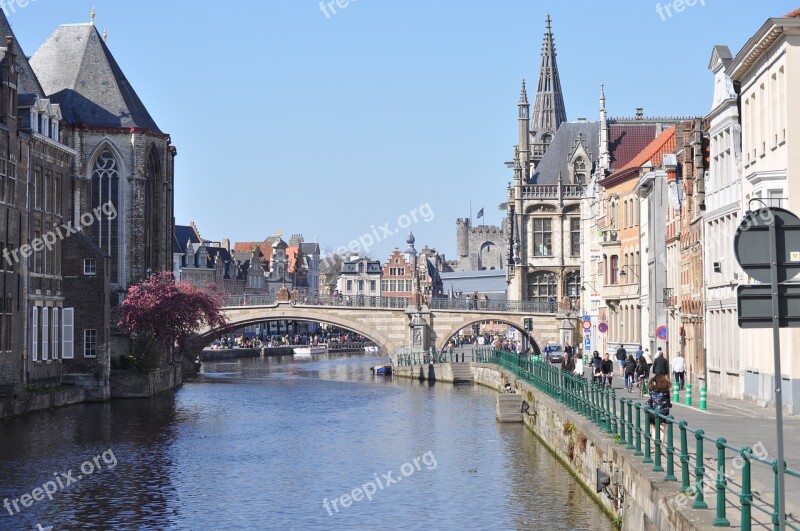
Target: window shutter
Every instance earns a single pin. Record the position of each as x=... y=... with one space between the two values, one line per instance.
x=34 y=333
x=54 y=338
x=67 y=332
x=45 y=333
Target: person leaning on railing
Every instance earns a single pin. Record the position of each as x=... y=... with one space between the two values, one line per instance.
x=659 y=401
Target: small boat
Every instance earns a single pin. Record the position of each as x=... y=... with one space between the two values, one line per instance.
x=307 y=351
x=382 y=369
x=372 y=348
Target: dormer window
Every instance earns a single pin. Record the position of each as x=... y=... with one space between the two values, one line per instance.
x=34 y=121
x=54 y=130
x=45 y=125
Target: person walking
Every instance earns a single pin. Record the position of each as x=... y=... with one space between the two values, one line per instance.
x=648 y=360
x=578 y=365
x=622 y=357
x=607 y=370
x=660 y=364
x=597 y=367
x=639 y=353
x=659 y=401
x=568 y=363
x=679 y=369
x=642 y=372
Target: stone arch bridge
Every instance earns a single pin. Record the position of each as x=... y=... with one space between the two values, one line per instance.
x=392 y=322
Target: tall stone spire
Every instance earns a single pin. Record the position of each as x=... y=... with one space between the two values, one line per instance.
x=523 y=153
x=605 y=159
x=548 y=107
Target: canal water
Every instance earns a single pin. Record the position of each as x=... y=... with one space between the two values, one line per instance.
x=273 y=443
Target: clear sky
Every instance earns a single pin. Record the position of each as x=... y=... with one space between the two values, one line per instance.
x=335 y=125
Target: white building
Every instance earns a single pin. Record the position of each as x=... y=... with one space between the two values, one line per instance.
x=360 y=277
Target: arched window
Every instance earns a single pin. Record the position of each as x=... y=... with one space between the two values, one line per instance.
x=105 y=198
x=361 y=267
x=579 y=170
x=152 y=212
x=542 y=287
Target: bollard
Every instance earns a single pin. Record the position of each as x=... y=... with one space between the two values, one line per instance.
x=676 y=392
x=688 y=400
x=703 y=396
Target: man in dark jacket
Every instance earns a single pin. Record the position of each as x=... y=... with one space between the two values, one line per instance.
x=660 y=364
x=622 y=357
x=607 y=370
x=597 y=364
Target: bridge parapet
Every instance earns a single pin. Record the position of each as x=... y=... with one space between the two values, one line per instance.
x=355 y=301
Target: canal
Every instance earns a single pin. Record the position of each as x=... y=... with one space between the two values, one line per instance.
x=278 y=443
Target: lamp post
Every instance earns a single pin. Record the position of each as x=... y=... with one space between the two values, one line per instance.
x=622 y=272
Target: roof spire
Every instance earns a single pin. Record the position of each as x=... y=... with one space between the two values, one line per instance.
x=105 y=35
x=523 y=95
x=548 y=109
x=91 y=15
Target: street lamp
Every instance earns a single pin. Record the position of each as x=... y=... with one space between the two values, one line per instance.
x=622 y=272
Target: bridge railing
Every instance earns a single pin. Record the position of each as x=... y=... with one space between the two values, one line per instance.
x=493 y=306
x=705 y=482
x=352 y=301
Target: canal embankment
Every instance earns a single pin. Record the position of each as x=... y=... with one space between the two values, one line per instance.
x=30 y=401
x=635 y=499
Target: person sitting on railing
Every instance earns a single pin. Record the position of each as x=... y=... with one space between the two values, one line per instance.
x=659 y=401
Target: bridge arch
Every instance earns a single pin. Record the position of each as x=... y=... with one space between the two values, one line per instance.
x=533 y=337
x=354 y=321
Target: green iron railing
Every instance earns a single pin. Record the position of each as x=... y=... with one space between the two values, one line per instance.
x=702 y=479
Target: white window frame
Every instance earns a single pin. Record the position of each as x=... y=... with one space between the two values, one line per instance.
x=34 y=121
x=45 y=333
x=34 y=334
x=85 y=338
x=67 y=333
x=87 y=261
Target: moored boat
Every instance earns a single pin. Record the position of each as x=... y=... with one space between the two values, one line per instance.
x=372 y=349
x=307 y=351
x=382 y=369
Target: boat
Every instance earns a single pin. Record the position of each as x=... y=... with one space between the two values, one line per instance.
x=381 y=369
x=372 y=348
x=307 y=351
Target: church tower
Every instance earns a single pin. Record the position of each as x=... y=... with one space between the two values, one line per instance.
x=548 y=107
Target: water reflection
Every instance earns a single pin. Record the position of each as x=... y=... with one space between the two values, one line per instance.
x=260 y=443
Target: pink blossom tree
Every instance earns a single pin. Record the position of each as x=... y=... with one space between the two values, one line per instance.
x=169 y=312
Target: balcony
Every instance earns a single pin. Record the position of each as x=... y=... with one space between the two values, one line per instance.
x=540 y=191
x=610 y=238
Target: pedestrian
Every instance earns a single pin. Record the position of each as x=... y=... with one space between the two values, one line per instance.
x=568 y=364
x=578 y=365
x=622 y=356
x=642 y=371
x=660 y=364
x=648 y=359
x=630 y=371
x=679 y=369
x=639 y=353
x=597 y=366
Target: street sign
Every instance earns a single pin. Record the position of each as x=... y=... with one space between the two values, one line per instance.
x=602 y=327
x=587 y=344
x=587 y=317
x=751 y=244
x=754 y=305
x=661 y=333
x=587 y=325
x=767 y=246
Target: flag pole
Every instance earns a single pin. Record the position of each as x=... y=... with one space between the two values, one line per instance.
x=470 y=211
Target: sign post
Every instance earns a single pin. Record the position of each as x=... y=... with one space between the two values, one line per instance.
x=773 y=232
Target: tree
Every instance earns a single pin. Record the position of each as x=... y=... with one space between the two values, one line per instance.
x=169 y=312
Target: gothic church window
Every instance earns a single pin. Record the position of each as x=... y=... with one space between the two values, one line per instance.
x=105 y=191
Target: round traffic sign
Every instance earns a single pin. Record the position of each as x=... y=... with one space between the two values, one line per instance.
x=587 y=325
x=752 y=244
x=602 y=327
x=661 y=333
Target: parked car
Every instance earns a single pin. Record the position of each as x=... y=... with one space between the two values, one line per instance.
x=555 y=353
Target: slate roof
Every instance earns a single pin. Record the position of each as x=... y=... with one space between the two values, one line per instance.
x=183 y=234
x=557 y=154
x=28 y=83
x=625 y=141
x=76 y=69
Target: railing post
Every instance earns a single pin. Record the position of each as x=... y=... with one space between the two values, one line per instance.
x=670 y=476
x=776 y=517
x=657 y=444
x=686 y=486
x=621 y=430
x=699 y=473
x=721 y=520
x=638 y=429
x=607 y=410
x=630 y=445
x=747 y=494
x=647 y=455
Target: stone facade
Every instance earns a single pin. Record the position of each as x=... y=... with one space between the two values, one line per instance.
x=480 y=248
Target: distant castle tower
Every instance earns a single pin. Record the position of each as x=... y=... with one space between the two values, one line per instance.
x=548 y=107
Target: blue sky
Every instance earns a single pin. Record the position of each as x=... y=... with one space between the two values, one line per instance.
x=333 y=126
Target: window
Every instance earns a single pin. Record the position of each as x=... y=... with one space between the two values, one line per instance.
x=90 y=343
x=105 y=190
x=574 y=285
x=361 y=267
x=372 y=286
x=360 y=286
x=8 y=323
x=57 y=194
x=542 y=287
x=54 y=131
x=542 y=237
x=774 y=198
x=575 y=236
x=34 y=121
x=349 y=286
x=67 y=332
x=614 y=269
x=47 y=192
x=90 y=266
x=11 y=183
